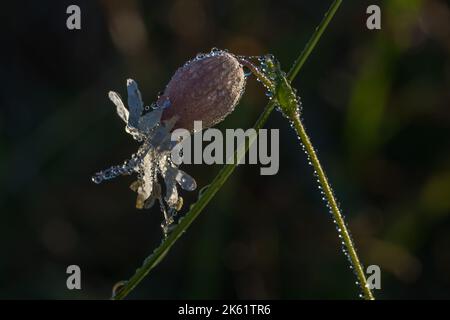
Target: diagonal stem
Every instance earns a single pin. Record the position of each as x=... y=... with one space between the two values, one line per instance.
x=159 y=253
x=309 y=47
x=334 y=208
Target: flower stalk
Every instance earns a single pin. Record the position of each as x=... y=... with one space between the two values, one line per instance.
x=334 y=208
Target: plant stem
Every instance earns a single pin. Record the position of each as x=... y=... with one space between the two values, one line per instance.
x=187 y=220
x=159 y=253
x=298 y=64
x=334 y=208
x=264 y=80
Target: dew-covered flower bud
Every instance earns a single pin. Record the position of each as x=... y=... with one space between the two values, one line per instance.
x=206 y=88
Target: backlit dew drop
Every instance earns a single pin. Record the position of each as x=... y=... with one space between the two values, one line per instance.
x=97 y=179
x=117 y=287
x=214 y=50
x=186 y=181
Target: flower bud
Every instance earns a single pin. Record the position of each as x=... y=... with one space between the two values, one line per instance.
x=206 y=88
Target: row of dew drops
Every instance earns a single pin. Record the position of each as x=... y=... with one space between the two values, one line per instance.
x=265 y=70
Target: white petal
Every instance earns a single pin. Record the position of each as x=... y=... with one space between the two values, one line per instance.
x=150 y=120
x=134 y=103
x=146 y=186
x=120 y=108
x=171 y=187
x=160 y=135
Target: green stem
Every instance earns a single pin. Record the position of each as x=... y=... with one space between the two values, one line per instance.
x=187 y=220
x=159 y=253
x=264 y=80
x=298 y=64
x=342 y=228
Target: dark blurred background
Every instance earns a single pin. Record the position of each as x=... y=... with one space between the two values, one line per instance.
x=376 y=104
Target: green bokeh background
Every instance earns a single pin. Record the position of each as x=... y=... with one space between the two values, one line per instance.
x=376 y=104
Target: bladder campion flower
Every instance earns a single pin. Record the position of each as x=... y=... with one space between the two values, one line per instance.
x=152 y=161
x=206 y=88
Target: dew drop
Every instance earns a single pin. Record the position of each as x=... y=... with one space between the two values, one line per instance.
x=97 y=179
x=117 y=287
x=186 y=181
